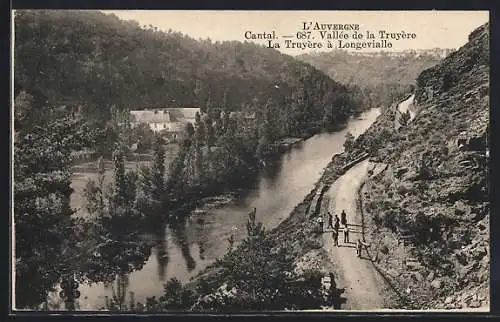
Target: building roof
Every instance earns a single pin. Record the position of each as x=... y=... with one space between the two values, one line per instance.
x=151 y=116
x=186 y=112
x=177 y=126
x=165 y=115
x=244 y=115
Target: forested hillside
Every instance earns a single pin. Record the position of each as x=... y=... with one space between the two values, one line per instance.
x=98 y=61
x=383 y=78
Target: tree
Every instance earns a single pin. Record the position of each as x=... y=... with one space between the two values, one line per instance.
x=158 y=173
x=225 y=121
x=144 y=193
x=23 y=109
x=260 y=275
x=143 y=136
x=200 y=138
x=176 y=296
x=329 y=118
x=263 y=146
x=199 y=130
x=46 y=235
x=209 y=131
x=117 y=244
x=190 y=130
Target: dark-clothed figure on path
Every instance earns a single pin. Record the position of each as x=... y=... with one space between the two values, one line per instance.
x=336 y=221
x=330 y=220
x=358 y=248
x=336 y=227
x=346 y=234
x=343 y=218
x=320 y=223
x=332 y=281
x=335 y=235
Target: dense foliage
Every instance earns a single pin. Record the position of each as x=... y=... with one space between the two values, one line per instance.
x=248 y=279
x=47 y=237
x=110 y=66
x=116 y=243
x=51 y=244
x=106 y=62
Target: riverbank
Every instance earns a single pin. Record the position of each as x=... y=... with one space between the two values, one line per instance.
x=287 y=143
x=275 y=190
x=299 y=230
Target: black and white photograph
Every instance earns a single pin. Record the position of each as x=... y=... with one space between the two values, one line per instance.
x=232 y=161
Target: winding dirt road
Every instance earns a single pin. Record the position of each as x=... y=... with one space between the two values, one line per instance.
x=365 y=288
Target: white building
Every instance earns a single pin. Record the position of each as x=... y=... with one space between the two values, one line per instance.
x=170 y=120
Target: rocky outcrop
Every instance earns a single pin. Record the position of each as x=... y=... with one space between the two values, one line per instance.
x=428 y=213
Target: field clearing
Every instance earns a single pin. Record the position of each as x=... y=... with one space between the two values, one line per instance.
x=84 y=172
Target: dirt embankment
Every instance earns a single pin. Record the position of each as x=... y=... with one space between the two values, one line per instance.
x=300 y=229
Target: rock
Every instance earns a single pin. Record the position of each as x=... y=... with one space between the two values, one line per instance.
x=431 y=276
x=474 y=304
x=480 y=253
x=401 y=171
x=462 y=258
x=418 y=276
x=436 y=283
x=448 y=300
x=392 y=272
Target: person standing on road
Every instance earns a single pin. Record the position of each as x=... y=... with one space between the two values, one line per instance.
x=335 y=235
x=346 y=234
x=320 y=223
x=336 y=227
x=333 y=285
x=336 y=221
x=330 y=220
x=358 y=248
x=343 y=218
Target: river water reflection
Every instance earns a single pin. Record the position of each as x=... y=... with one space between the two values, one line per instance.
x=277 y=189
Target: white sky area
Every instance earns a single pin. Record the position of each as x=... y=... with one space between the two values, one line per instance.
x=442 y=29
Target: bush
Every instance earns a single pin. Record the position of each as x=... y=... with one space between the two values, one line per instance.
x=260 y=275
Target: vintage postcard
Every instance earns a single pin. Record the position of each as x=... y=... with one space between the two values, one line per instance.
x=250 y=161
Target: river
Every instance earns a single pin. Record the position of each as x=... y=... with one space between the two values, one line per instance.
x=276 y=190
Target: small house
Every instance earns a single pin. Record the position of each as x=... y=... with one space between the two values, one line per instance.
x=157 y=119
x=169 y=121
